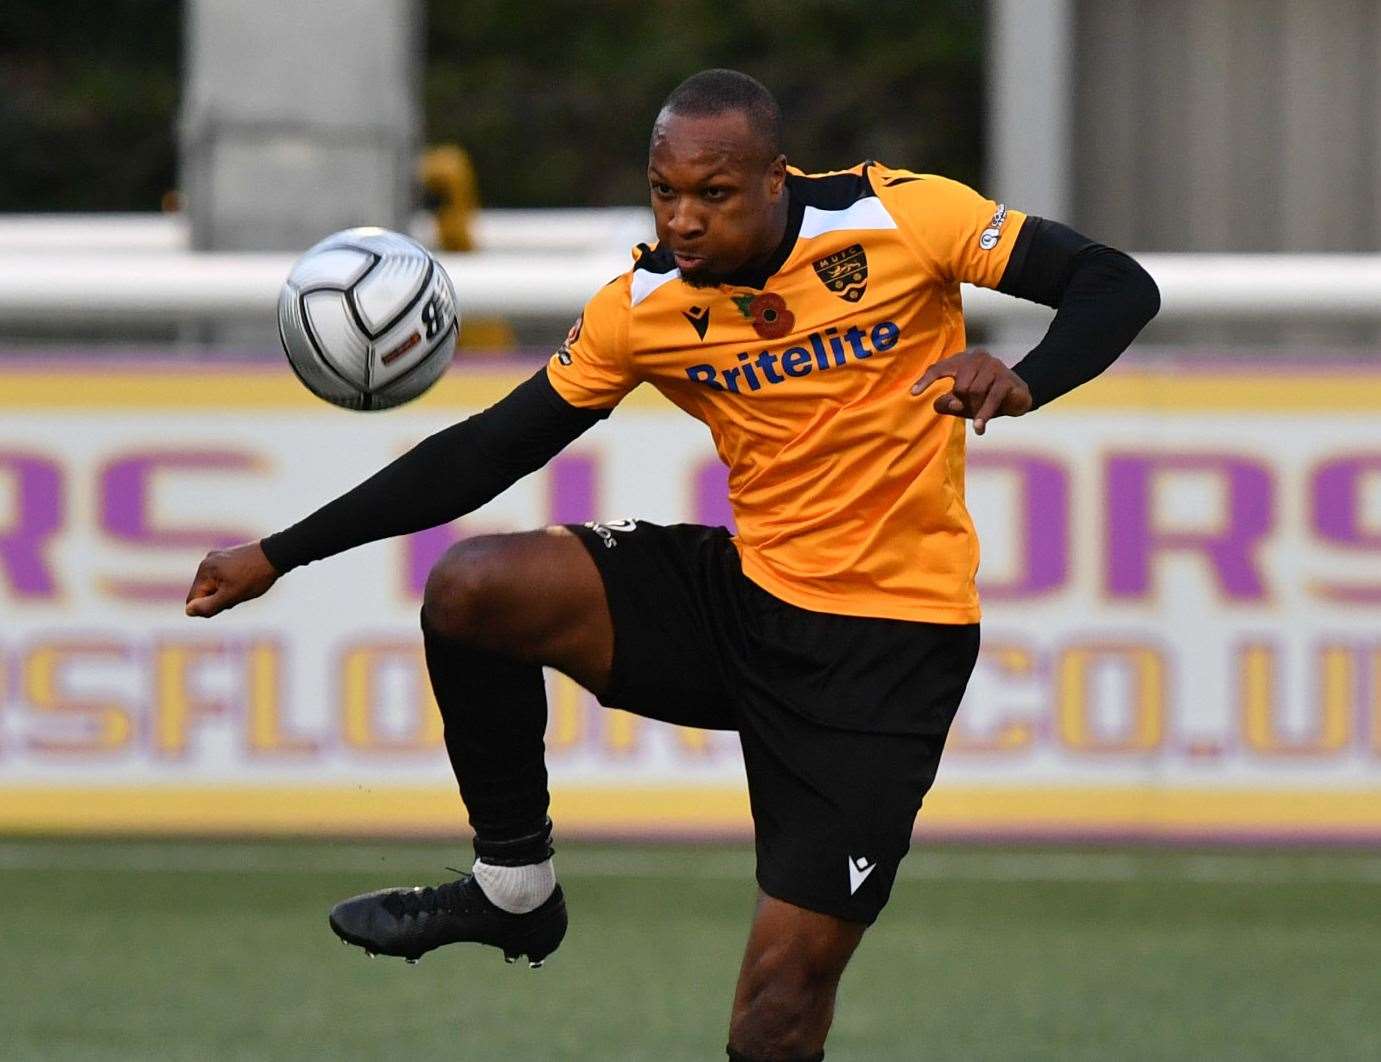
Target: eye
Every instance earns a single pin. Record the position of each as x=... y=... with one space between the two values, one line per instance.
x=662 y=190
x=715 y=195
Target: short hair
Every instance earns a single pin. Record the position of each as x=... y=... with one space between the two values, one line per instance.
x=717 y=91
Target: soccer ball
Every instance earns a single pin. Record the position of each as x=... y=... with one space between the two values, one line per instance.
x=368 y=319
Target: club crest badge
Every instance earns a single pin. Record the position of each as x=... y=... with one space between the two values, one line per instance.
x=845 y=272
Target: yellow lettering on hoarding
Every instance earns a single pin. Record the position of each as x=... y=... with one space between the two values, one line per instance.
x=620 y=731
x=1007 y=733
x=1376 y=701
x=361 y=707
x=174 y=704
x=266 y=732
x=104 y=724
x=1259 y=706
x=567 y=712
x=1074 y=711
x=693 y=739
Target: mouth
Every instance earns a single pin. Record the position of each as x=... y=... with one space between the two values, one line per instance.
x=688 y=262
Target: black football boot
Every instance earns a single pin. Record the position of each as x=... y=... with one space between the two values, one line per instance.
x=410 y=922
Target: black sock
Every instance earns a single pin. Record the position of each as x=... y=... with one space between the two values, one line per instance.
x=495 y=715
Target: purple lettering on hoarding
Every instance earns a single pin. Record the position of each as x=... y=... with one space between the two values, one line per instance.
x=1336 y=492
x=127 y=512
x=127 y=496
x=1135 y=540
x=27 y=533
x=1043 y=516
x=421 y=551
x=711 y=486
x=573 y=486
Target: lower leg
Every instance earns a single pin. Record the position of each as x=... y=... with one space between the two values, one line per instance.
x=495 y=714
x=496 y=610
x=784 y=1002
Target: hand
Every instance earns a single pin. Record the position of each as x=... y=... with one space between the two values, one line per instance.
x=983 y=388
x=228 y=576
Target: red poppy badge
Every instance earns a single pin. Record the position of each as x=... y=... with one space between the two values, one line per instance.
x=771 y=319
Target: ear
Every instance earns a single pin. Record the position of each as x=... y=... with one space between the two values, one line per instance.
x=776 y=175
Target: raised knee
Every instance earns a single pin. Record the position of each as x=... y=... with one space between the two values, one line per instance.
x=461 y=587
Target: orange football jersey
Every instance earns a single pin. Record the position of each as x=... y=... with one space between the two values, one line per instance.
x=848 y=492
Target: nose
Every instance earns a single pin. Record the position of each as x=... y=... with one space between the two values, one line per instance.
x=685 y=221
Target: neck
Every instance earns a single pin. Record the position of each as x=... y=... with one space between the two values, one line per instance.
x=776 y=231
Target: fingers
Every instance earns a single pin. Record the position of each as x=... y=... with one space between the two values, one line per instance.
x=983 y=388
x=207 y=605
x=949 y=404
x=941 y=369
x=971 y=383
x=206 y=592
x=954 y=366
x=992 y=403
x=204 y=582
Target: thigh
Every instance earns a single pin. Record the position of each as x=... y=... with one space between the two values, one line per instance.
x=669 y=593
x=833 y=810
x=841 y=746
x=533 y=596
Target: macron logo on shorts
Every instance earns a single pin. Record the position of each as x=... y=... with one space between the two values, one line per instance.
x=859 y=869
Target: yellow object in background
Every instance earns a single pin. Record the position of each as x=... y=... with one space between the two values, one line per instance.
x=452 y=194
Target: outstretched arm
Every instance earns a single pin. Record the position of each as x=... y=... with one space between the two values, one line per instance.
x=1102 y=300
x=444 y=477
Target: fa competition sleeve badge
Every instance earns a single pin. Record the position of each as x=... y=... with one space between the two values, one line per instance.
x=988 y=238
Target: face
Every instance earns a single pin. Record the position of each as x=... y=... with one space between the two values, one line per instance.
x=719 y=204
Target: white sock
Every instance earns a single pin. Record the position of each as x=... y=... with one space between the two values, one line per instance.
x=516 y=890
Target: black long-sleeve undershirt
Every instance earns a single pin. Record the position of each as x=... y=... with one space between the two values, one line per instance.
x=1102 y=300
x=443 y=477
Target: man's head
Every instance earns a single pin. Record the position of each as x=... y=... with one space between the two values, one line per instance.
x=718 y=175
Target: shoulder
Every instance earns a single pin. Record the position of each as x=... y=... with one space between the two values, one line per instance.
x=910 y=193
x=839 y=189
x=839 y=200
x=653 y=266
x=873 y=195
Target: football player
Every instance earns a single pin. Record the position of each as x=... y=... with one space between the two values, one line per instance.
x=814 y=323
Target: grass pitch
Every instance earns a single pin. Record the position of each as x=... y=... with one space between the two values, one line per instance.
x=206 y=950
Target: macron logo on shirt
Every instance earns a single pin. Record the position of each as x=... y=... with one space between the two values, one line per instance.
x=824 y=350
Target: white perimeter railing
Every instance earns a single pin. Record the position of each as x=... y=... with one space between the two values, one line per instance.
x=73 y=268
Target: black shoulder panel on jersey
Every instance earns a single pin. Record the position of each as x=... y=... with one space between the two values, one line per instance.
x=833 y=191
x=655 y=259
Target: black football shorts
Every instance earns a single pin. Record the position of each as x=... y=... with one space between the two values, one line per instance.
x=842 y=719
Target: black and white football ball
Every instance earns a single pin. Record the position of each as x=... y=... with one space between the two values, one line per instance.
x=368 y=318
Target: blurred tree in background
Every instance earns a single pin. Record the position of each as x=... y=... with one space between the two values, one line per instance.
x=554 y=101
x=88 y=98
x=556 y=104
